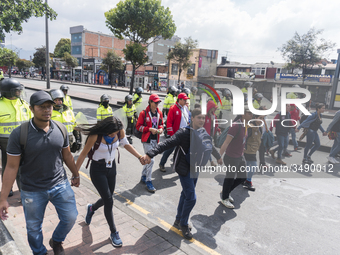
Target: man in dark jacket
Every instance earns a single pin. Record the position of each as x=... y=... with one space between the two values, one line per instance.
x=186 y=173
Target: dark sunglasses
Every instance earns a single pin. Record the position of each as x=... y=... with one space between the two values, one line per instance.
x=156 y=102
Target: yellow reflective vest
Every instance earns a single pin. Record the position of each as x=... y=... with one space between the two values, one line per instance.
x=68 y=102
x=129 y=111
x=169 y=101
x=12 y=114
x=66 y=117
x=244 y=90
x=139 y=101
x=256 y=104
x=291 y=95
x=103 y=113
x=226 y=104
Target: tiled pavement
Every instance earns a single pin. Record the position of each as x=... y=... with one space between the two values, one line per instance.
x=139 y=235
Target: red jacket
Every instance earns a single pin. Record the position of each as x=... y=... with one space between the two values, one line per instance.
x=148 y=123
x=208 y=120
x=174 y=119
x=295 y=114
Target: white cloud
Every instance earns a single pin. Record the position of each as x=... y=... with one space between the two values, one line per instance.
x=251 y=31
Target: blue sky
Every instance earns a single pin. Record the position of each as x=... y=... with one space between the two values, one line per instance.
x=246 y=31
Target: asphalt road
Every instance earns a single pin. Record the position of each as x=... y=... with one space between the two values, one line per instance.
x=289 y=213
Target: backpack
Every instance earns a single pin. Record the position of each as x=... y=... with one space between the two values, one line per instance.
x=24 y=134
x=95 y=147
x=220 y=140
x=303 y=117
x=136 y=132
x=200 y=147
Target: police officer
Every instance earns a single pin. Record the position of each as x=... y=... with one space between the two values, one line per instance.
x=104 y=110
x=170 y=100
x=67 y=98
x=292 y=95
x=65 y=115
x=226 y=100
x=257 y=100
x=1 y=75
x=187 y=92
x=192 y=96
x=130 y=110
x=137 y=97
x=13 y=112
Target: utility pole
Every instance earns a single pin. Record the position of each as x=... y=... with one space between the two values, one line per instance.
x=47 y=52
x=335 y=82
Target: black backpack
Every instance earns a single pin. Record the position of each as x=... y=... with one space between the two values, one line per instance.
x=136 y=132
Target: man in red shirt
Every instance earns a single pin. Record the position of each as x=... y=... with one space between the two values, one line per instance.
x=178 y=117
x=295 y=115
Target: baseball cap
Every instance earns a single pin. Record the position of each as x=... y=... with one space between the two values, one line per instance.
x=40 y=97
x=154 y=98
x=183 y=96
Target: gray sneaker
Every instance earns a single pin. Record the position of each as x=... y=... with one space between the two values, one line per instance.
x=227 y=204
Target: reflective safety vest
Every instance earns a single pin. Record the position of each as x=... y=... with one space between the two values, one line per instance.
x=129 y=111
x=139 y=101
x=256 y=104
x=291 y=95
x=226 y=104
x=169 y=101
x=12 y=114
x=1 y=75
x=66 y=117
x=244 y=90
x=68 y=102
x=103 y=113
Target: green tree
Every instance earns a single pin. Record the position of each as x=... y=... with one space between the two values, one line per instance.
x=110 y=63
x=140 y=20
x=39 y=58
x=181 y=54
x=64 y=45
x=8 y=58
x=305 y=51
x=71 y=62
x=23 y=64
x=14 y=12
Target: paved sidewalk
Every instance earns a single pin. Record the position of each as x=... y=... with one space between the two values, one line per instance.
x=139 y=235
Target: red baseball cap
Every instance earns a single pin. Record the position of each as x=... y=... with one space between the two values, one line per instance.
x=183 y=96
x=154 y=98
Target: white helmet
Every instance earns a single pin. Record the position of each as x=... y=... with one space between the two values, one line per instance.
x=296 y=86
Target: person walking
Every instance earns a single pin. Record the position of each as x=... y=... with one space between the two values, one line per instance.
x=334 y=126
x=170 y=100
x=108 y=134
x=104 y=110
x=295 y=115
x=43 y=177
x=186 y=172
x=130 y=111
x=67 y=98
x=13 y=112
x=137 y=97
x=313 y=123
x=65 y=115
x=281 y=135
x=178 y=117
x=232 y=149
x=150 y=122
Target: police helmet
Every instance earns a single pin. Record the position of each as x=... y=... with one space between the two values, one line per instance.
x=178 y=91
x=296 y=86
x=139 y=90
x=56 y=93
x=194 y=89
x=219 y=92
x=172 y=90
x=104 y=98
x=10 y=88
x=186 y=91
x=226 y=92
x=128 y=98
x=64 y=87
x=258 y=96
x=248 y=84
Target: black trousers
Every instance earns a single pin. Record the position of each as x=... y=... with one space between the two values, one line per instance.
x=104 y=179
x=232 y=179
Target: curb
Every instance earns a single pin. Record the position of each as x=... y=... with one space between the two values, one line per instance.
x=7 y=244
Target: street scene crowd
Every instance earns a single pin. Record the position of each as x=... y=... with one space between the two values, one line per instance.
x=38 y=137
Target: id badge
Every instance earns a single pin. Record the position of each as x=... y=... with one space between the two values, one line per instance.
x=109 y=164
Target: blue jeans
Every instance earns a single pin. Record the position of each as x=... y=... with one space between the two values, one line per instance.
x=336 y=146
x=282 y=140
x=34 y=204
x=312 y=137
x=292 y=132
x=165 y=156
x=187 y=200
x=251 y=167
